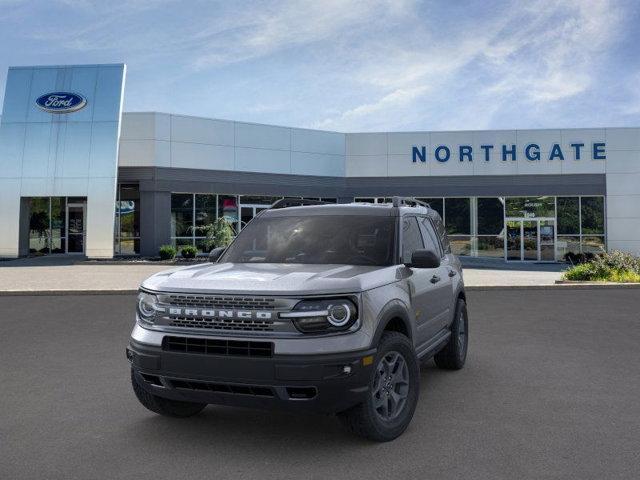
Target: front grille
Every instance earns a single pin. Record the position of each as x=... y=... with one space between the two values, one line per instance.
x=254 y=390
x=217 y=301
x=221 y=323
x=207 y=346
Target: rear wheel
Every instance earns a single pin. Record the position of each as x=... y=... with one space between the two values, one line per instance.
x=164 y=406
x=393 y=392
x=454 y=354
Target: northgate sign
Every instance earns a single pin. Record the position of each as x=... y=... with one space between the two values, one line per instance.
x=531 y=152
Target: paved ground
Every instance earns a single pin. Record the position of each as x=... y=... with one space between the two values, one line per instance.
x=64 y=274
x=551 y=390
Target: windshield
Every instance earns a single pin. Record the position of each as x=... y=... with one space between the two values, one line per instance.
x=318 y=239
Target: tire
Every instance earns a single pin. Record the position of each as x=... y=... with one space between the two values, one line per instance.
x=454 y=354
x=368 y=419
x=164 y=406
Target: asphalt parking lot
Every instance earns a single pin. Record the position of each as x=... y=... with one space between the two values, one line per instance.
x=551 y=390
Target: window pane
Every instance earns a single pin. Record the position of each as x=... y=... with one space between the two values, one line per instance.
x=593 y=215
x=205 y=210
x=593 y=244
x=567 y=245
x=128 y=211
x=490 y=216
x=491 y=246
x=460 y=244
x=228 y=209
x=530 y=207
x=411 y=238
x=568 y=216
x=429 y=236
x=181 y=214
x=457 y=215
x=181 y=242
x=39 y=233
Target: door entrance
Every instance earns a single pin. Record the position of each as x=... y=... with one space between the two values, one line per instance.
x=530 y=239
x=76 y=219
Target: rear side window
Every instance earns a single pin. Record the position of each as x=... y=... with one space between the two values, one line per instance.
x=442 y=233
x=431 y=241
x=411 y=238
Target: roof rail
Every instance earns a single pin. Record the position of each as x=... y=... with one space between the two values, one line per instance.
x=295 y=202
x=409 y=201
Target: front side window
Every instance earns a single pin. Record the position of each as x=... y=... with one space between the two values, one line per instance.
x=411 y=238
x=430 y=238
x=316 y=239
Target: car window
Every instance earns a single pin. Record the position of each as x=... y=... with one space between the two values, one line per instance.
x=411 y=238
x=429 y=235
x=316 y=239
x=442 y=232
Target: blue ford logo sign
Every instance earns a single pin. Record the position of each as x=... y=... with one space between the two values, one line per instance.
x=61 y=102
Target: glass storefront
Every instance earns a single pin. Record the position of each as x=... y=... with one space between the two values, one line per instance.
x=57 y=225
x=541 y=228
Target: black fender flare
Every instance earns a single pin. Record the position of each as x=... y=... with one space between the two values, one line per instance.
x=393 y=309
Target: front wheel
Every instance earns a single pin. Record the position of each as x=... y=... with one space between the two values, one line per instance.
x=454 y=354
x=164 y=406
x=393 y=392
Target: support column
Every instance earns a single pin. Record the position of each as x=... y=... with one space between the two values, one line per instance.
x=155 y=221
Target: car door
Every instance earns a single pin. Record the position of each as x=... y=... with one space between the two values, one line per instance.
x=445 y=273
x=423 y=284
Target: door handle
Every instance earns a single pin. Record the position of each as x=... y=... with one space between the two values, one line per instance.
x=452 y=273
x=435 y=279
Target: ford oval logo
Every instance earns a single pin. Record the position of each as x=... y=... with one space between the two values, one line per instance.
x=61 y=102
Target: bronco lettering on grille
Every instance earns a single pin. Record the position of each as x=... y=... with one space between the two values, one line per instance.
x=211 y=313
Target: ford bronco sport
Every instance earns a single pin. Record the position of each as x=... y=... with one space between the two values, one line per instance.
x=323 y=308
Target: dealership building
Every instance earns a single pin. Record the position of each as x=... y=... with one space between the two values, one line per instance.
x=79 y=176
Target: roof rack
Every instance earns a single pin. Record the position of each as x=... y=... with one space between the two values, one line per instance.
x=409 y=201
x=295 y=202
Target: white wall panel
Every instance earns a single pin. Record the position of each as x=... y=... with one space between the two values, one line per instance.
x=263 y=160
x=400 y=143
x=139 y=126
x=623 y=139
x=75 y=146
x=198 y=155
x=263 y=136
x=201 y=130
x=313 y=141
x=303 y=163
x=366 y=166
x=366 y=144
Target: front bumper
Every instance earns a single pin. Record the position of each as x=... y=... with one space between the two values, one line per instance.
x=317 y=383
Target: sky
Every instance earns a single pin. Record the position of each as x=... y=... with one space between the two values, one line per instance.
x=350 y=65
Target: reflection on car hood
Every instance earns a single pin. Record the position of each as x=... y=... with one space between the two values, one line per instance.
x=271 y=278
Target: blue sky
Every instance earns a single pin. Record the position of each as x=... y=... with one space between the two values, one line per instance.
x=351 y=65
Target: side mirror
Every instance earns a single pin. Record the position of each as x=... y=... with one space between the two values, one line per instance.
x=214 y=254
x=424 y=259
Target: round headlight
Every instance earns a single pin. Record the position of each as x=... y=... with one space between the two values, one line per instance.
x=339 y=315
x=146 y=305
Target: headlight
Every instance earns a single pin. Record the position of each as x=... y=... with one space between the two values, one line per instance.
x=324 y=315
x=147 y=306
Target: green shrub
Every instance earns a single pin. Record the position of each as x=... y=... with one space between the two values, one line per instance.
x=607 y=267
x=167 y=252
x=219 y=233
x=188 y=251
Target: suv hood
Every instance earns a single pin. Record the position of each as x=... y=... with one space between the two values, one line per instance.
x=271 y=279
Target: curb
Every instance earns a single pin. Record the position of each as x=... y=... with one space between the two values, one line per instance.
x=471 y=288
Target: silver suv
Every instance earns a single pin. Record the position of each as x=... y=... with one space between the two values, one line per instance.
x=322 y=308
